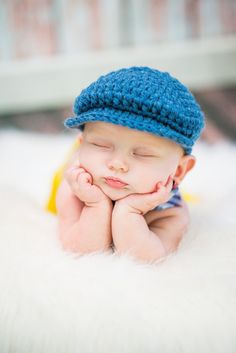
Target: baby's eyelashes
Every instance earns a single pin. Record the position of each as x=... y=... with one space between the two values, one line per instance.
x=100 y=145
x=143 y=155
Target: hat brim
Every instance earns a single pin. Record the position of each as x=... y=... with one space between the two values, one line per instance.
x=130 y=120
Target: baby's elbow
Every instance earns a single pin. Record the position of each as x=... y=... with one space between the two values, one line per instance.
x=66 y=242
x=181 y=230
x=78 y=246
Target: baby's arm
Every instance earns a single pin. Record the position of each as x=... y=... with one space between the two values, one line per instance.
x=84 y=213
x=148 y=236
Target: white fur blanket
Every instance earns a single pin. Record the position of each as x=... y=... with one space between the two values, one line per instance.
x=55 y=302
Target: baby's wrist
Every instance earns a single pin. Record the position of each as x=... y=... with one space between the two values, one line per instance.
x=122 y=207
x=105 y=203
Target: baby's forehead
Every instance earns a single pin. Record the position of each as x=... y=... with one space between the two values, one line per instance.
x=122 y=134
x=104 y=129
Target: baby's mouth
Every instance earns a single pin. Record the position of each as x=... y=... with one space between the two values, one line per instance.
x=115 y=183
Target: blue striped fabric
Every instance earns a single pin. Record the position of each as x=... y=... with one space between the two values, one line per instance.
x=174 y=201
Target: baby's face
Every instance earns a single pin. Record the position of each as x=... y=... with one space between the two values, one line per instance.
x=124 y=161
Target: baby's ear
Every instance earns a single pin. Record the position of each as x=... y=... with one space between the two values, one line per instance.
x=185 y=165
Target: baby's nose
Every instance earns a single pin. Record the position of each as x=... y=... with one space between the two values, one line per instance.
x=118 y=164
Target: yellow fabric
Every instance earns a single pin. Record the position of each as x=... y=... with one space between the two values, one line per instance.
x=189 y=198
x=57 y=179
x=51 y=204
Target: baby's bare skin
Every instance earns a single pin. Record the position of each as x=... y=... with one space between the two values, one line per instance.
x=109 y=193
x=84 y=213
x=94 y=224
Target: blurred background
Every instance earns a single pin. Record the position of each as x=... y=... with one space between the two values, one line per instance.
x=51 y=49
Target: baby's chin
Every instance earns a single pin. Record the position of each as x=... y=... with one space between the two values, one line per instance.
x=116 y=195
x=117 y=198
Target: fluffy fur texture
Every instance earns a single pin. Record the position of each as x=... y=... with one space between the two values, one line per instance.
x=55 y=302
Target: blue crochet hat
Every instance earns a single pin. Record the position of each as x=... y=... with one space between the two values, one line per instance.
x=144 y=99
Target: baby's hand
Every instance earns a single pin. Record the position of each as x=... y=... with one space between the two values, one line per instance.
x=142 y=203
x=82 y=186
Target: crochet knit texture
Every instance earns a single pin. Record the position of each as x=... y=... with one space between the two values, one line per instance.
x=144 y=99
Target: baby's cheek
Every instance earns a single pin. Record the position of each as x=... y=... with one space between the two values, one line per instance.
x=83 y=152
x=149 y=182
x=144 y=186
x=84 y=161
x=90 y=163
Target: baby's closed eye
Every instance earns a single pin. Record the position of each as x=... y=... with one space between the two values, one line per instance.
x=144 y=154
x=100 y=144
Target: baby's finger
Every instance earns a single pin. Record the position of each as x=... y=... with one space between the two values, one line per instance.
x=160 y=190
x=162 y=193
x=77 y=171
x=85 y=180
x=73 y=173
x=169 y=183
x=74 y=165
x=154 y=197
